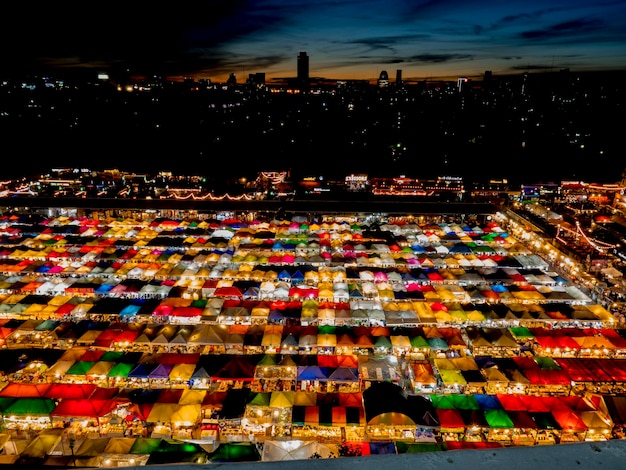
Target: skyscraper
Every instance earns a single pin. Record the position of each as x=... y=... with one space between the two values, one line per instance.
x=383 y=79
x=398 y=78
x=303 y=70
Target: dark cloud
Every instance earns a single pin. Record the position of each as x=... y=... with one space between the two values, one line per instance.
x=529 y=67
x=439 y=58
x=526 y=17
x=567 y=28
x=386 y=42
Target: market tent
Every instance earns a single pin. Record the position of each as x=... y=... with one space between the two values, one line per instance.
x=237 y=368
x=312 y=373
x=344 y=374
x=4 y=404
x=569 y=420
x=327 y=415
x=294 y=450
x=43 y=444
x=24 y=390
x=186 y=414
x=616 y=406
x=119 y=445
x=162 y=412
x=235 y=452
x=382 y=448
x=385 y=397
x=302 y=398
x=173 y=452
x=83 y=408
x=391 y=418
x=596 y=421
x=458 y=401
x=451 y=420
x=182 y=372
x=282 y=399
x=68 y=391
x=261 y=399
x=192 y=397
x=145 y=445
x=30 y=407
x=498 y=418
x=418 y=447
x=379 y=368
x=121 y=370
x=91 y=447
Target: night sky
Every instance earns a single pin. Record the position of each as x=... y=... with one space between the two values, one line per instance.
x=343 y=38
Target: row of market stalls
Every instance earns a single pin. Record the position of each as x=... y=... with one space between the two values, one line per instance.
x=382 y=412
x=494 y=284
x=414 y=341
x=50 y=450
x=453 y=373
x=229 y=308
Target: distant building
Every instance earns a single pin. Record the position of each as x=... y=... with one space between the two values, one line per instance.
x=256 y=80
x=303 y=70
x=398 y=78
x=383 y=79
x=444 y=187
x=462 y=84
x=232 y=80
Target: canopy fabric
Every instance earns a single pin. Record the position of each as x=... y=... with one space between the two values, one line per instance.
x=30 y=407
x=235 y=452
x=498 y=418
x=294 y=450
x=385 y=397
x=162 y=413
x=84 y=408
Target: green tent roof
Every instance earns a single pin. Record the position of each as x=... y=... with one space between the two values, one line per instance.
x=121 y=369
x=547 y=363
x=145 y=445
x=419 y=342
x=111 y=356
x=261 y=399
x=80 y=368
x=521 y=332
x=498 y=419
x=455 y=401
x=30 y=407
x=5 y=402
x=235 y=452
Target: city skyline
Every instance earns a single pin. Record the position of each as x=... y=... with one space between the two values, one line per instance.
x=343 y=40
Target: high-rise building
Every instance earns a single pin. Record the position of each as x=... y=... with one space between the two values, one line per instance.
x=383 y=79
x=256 y=80
x=398 y=78
x=462 y=84
x=303 y=70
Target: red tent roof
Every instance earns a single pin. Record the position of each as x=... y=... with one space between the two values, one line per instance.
x=84 y=408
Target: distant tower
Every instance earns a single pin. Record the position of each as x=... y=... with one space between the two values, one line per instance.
x=232 y=80
x=383 y=79
x=256 y=80
x=488 y=80
x=398 y=78
x=303 y=70
x=461 y=84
